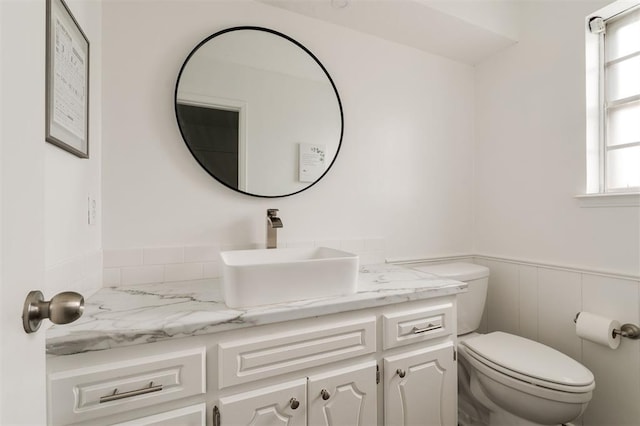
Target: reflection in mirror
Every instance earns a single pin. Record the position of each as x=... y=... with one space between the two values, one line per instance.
x=259 y=112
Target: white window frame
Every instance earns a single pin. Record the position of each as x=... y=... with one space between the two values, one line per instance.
x=596 y=191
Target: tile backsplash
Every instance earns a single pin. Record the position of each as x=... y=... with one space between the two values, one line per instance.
x=132 y=266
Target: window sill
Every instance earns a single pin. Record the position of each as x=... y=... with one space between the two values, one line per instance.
x=628 y=199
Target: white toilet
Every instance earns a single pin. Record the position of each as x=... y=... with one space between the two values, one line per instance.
x=505 y=379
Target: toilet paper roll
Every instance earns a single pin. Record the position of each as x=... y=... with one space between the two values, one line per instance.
x=597 y=329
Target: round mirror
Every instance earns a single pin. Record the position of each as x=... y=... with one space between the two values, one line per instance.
x=259 y=112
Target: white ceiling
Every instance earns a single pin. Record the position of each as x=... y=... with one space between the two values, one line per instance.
x=466 y=31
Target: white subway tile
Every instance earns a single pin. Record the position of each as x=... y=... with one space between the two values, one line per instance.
x=111 y=277
x=353 y=246
x=211 y=270
x=201 y=254
x=334 y=244
x=142 y=274
x=372 y=258
x=374 y=244
x=163 y=255
x=297 y=244
x=559 y=296
x=122 y=257
x=183 y=272
x=246 y=246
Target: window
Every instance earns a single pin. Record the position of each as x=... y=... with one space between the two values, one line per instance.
x=613 y=99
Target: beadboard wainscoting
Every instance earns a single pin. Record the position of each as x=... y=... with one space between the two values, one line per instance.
x=539 y=302
x=146 y=265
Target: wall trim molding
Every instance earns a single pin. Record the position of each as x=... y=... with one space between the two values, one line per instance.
x=602 y=273
x=473 y=257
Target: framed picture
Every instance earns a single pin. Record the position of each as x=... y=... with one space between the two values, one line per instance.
x=67 y=81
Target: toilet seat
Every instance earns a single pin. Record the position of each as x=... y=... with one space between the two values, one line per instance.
x=526 y=363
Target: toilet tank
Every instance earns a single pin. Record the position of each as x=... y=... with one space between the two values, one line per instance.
x=470 y=304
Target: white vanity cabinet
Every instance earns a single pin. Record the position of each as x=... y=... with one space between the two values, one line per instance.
x=388 y=365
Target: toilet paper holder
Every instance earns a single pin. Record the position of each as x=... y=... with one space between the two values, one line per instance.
x=630 y=331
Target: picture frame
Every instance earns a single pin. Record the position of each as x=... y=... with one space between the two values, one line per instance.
x=67 y=81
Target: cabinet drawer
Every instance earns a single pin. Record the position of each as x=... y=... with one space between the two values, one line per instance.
x=102 y=389
x=260 y=356
x=404 y=327
x=194 y=415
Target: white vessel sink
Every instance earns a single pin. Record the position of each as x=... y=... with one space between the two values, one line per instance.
x=268 y=276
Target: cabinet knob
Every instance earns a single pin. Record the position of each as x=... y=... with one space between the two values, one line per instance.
x=325 y=394
x=294 y=403
x=401 y=373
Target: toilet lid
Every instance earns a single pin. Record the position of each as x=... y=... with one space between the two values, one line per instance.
x=528 y=358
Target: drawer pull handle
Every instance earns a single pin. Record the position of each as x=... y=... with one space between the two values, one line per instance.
x=116 y=396
x=401 y=373
x=325 y=394
x=429 y=327
x=294 y=403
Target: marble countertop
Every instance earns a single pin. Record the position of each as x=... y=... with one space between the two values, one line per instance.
x=132 y=315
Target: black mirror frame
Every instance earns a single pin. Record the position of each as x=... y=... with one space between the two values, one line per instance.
x=295 y=42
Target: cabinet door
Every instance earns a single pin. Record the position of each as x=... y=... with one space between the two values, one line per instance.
x=343 y=397
x=420 y=387
x=282 y=404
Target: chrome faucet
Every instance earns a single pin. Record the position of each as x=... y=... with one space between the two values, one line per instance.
x=273 y=223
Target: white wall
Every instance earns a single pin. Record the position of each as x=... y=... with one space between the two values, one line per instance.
x=403 y=173
x=73 y=248
x=542 y=248
x=530 y=151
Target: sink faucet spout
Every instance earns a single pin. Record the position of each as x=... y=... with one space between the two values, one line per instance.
x=273 y=223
